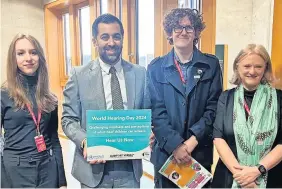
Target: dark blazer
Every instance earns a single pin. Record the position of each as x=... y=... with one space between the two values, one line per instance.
x=178 y=113
x=223 y=128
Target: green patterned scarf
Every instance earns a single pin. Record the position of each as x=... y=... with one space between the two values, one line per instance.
x=255 y=136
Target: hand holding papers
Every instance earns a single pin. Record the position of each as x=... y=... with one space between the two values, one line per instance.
x=118 y=134
x=189 y=175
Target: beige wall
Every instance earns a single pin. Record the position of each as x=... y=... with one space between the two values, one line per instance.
x=48 y=1
x=20 y=16
x=239 y=22
x=262 y=22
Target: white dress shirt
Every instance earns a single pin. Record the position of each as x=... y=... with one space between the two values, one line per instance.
x=106 y=75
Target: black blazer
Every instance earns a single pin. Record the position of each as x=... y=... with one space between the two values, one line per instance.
x=223 y=128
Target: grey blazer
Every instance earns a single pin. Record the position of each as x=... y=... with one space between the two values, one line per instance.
x=84 y=91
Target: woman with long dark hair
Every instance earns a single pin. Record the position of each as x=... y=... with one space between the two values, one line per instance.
x=32 y=155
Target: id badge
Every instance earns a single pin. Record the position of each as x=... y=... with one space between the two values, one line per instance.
x=40 y=143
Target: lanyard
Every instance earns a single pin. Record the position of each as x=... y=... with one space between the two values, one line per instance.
x=37 y=122
x=179 y=71
x=247 y=107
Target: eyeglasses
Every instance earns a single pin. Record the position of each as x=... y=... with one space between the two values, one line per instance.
x=179 y=29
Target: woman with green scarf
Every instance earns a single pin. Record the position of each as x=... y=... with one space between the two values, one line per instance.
x=248 y=126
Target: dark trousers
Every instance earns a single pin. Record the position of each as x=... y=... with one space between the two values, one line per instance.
x=163 y=182
x=31 y=172
x=117 y=174
x=5 y=180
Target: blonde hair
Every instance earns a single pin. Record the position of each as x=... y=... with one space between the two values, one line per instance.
x=260 y=51
x=45 y=100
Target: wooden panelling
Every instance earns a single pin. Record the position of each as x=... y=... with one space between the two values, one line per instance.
x=117 y=8
x=55 y=44
x=126 y=52
x=207 y=41
x=158 y=35
x=52 y=54
x=132 y=32
x=112 y=5
x=52 y=50
x=61 y=57
x=94 y=13
x=61 y=4
x=276 y=53
x=162 y=46
x=74 y=37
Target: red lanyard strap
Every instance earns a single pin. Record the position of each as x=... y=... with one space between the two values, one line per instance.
x=179 y=71
x=247 y=107
x=36 y=122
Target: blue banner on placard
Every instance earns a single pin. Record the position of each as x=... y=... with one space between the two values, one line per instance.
x=117 y=134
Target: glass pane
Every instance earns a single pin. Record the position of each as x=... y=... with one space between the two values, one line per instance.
x=104 y=6
x=193 y=4
x=67 y=45
x=145 y=32
x=120 y=9
x=85 y=35
x=181 y=3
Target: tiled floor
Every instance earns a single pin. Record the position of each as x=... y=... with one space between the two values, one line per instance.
x=68 y=150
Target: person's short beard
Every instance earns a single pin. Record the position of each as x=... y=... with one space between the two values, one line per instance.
x=112 y=59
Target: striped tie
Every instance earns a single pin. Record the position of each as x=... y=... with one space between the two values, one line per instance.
x=116 y=92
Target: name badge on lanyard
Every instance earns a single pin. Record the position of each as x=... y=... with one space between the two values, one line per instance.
x=246 y=107
x=39 y=139
x=179 y=71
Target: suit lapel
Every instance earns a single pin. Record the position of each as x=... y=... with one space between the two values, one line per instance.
x=173 y=78
x=171 y=73
x=194 y=75
x=130 y=83
x=96 y=87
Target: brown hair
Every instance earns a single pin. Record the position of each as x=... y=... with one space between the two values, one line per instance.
x=45 y=100
x=260 y=51
x=173 y=17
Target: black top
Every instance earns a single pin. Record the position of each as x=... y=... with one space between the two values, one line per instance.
x=20 y=128
x=223 y=128
x=249 y=95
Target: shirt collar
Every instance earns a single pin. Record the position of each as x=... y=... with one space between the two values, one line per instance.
x=198 y=57
x=106 y=67
x=178 y=60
